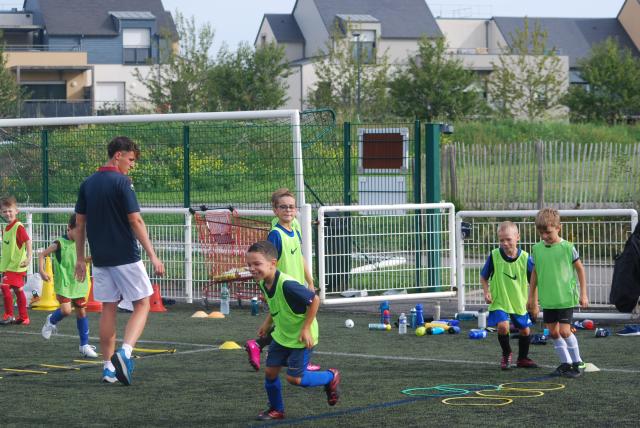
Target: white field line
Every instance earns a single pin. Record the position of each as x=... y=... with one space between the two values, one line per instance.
x=209 y=347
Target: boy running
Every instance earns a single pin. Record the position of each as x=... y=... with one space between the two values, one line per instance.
x=504 y=280
x=292 y=310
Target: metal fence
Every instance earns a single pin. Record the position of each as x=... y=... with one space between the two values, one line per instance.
x=598 y=235
x=385 y=252
x=530 y=175
x=175 y=240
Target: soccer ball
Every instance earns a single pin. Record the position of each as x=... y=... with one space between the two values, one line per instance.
x=349 y=323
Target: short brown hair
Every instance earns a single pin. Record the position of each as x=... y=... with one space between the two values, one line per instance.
x=266 y=248
x=547 y=217
x=279 y=194
x=72 y=221
x=8 y=201
x=122 y=144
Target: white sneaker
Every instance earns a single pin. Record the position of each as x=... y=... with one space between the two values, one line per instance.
x=88 y=351
x=48 y=329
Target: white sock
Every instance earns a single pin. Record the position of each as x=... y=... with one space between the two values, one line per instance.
x=572 y=347
x=109 y=365
x=560 y=346
x=128 y=349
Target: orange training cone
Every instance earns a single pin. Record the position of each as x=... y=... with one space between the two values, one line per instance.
x=47 y=301
x=92 y=304
x=156 y=300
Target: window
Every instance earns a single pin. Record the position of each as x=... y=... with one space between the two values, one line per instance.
x=364 y=44
x=137 y=45
x=44 y=91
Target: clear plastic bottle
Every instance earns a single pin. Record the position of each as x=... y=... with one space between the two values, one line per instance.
x=482 y=319
x=402 y=324
x=224 y=300
x=436 y=312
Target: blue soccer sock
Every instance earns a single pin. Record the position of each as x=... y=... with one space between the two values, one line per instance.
x=56 y=316
x=572 y=347
x=274 y=392
x=83 y=330
x=315 y=378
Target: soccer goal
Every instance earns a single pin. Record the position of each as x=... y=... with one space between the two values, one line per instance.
x=190 y=159
x=369 y=253
x=599 y=236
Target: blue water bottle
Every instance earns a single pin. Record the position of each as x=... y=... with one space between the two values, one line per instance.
x=413 y=318
x=477 y=334
x=255 y=308
x=384 y=306
x=454 y=329
x=419 y=315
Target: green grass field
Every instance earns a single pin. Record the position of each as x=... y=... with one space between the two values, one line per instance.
x=200 y=385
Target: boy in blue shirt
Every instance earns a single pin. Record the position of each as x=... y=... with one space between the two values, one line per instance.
x=292 y=310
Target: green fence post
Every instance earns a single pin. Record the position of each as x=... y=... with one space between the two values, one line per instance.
x=186 y=167
x=44 y=139
x=417 y=198
x=432 y=183
x=346 y=146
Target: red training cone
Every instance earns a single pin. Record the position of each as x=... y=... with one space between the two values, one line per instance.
x=156 y=300
x=92 y=304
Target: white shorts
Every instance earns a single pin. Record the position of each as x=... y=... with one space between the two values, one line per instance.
x=113 y=283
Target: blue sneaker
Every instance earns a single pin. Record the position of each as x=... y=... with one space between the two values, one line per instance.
x=629 y=330
x=109 y=376
x=123 y=365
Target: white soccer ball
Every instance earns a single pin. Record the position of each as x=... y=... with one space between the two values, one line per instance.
x=349 y=323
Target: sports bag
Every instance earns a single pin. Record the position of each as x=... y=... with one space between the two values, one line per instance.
x=625 y=284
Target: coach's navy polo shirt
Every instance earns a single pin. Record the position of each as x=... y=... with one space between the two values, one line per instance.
x=107 y=198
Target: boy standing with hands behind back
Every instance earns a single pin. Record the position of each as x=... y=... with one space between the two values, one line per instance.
x=553 y=283
x=16 y=258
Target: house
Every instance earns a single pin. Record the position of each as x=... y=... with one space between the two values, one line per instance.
x=391 y=26
x=77 y=57
x=395 y=26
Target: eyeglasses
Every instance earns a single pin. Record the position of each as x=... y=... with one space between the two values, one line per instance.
x=287 y=207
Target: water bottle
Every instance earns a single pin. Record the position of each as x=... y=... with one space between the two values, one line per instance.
x=414 y=317
x=545 y=332
x=436 y=311
x=384 y=306
x=477 y=334
x=482 y=319
x=255 y=308
x=402 y=324
x=224 y=300
x=379 y=326
x=435 y=330
x=419 y=315
x=464 y=316
x=454 y=329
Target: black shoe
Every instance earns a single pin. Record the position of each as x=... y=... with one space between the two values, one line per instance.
x=561 y=369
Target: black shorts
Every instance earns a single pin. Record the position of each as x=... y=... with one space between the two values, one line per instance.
x=563 y=316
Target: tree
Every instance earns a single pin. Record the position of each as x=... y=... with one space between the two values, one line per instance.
x=342 y=72
x=434 y=85
x=11 y=95
x=612 y=92
x=528 y=79
x=249 y=79
x=179 y=83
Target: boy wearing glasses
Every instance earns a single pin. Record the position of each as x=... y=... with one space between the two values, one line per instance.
x=286 y=236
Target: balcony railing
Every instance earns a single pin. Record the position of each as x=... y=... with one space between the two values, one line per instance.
x=484 y=51
x=44 y=48
x=56 y=108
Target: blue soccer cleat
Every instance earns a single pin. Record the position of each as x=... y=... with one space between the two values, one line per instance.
x=123 y=365
x=109 y=376
x=629 y=330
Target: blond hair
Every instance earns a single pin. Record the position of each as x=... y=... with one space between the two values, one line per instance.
x=547 y=217
x=279 y=194
x=508 y=225
x=8 y=201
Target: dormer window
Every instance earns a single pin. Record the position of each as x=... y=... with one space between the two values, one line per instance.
x=136 y=43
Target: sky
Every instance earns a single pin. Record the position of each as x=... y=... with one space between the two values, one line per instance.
x=235 y=21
